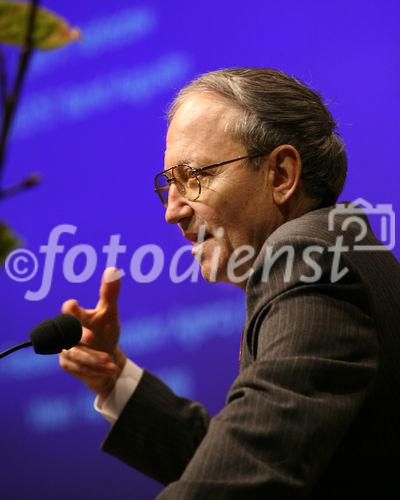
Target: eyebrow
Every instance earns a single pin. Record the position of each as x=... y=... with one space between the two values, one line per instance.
x=185 y=161
x=180 y=162
x=189 y=161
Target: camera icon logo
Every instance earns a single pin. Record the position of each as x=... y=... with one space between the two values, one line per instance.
x=356 y=211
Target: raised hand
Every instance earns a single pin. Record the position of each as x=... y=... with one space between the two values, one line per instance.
x=97 y=360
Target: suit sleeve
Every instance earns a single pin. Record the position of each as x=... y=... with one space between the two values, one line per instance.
x=157 y=432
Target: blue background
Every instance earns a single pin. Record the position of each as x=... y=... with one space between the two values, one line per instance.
x=92 y=121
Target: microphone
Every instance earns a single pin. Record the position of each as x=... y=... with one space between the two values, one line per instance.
x=52 y=336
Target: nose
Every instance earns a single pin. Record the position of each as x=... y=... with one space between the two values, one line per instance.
x=177 y=207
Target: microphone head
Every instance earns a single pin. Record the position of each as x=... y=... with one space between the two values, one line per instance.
x=53 y=335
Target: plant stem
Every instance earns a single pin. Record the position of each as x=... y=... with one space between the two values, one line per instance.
x=3 y=81
x=12 y=100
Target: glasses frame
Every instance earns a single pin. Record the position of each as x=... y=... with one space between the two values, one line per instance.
x=194 y=173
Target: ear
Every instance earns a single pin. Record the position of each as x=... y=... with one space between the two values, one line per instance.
x=284 y=172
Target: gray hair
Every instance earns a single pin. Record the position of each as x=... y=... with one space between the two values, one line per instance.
x=278 y=109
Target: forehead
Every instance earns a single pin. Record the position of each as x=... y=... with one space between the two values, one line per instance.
x=201 y=130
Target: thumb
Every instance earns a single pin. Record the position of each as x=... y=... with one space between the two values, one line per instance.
x=109 y=289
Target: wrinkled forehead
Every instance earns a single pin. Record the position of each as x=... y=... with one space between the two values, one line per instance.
x=201 y=127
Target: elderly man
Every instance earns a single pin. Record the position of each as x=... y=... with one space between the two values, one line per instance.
x=254 y=163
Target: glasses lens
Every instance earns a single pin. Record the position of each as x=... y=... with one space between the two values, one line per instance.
x=182 y=176
x=186 y=182
x=162 y=186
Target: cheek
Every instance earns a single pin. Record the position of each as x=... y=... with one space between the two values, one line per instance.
x=210 y=216
x=228 y=211
x=236 y=230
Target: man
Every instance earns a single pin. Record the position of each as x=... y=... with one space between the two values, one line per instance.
x=253 y=160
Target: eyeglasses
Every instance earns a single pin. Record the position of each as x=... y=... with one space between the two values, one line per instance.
x=186 y=179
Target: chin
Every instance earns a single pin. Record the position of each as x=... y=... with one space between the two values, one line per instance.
x=212 y=271
x=210 y=276
x=220 y=274
x=214 y=262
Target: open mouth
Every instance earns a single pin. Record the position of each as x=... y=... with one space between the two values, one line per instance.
x=197 y=238
x=207 y=236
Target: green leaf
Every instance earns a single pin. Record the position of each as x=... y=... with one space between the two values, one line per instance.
x=8 y=241
x=51 y=31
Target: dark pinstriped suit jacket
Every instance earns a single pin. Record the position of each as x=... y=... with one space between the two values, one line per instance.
x=315 y=410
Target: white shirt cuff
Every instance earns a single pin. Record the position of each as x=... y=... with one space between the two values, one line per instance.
x=124 y=387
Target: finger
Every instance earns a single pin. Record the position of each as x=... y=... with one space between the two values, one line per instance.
x=109 y=290
x=87 y=357
x=83 y=371
x=73 y=308
x=88 y=337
